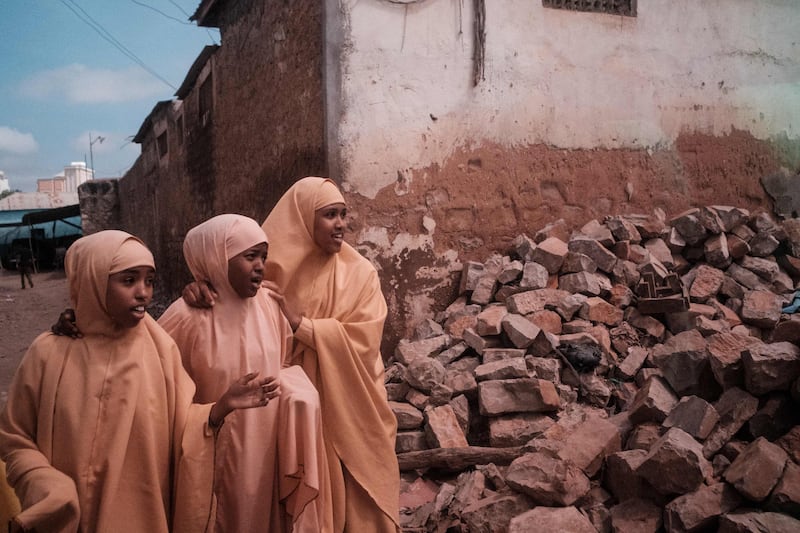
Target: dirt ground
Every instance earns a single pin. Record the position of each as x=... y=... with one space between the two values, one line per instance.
x=24 y=314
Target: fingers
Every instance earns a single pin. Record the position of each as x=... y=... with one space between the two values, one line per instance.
x=207 y=293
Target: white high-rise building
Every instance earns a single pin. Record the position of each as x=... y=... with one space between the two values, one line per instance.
x=76 y=173
x=4 y=183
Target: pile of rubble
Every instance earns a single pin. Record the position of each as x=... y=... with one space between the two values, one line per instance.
x=640 y=374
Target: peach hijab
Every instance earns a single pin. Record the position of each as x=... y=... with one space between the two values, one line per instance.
x=268 y=456
x=99 y=433
x=338 y=345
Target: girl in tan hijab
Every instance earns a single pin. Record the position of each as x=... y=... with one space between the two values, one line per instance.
x=332 y=297
x=99 y=433
x=271 y=467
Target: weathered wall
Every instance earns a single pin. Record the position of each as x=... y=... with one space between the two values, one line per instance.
x=264 y=129
x=270 y=117
x=577 y=116
x=562 y=78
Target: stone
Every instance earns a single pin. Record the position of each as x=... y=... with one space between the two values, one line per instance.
x=442 y=429
x=581 y=282
x=498 y=397
x=557 y=229
x=598 y=310
x=520 y=331
x=623 y=229
x=510 y=272
x=716 y=251
x=425 y=373
x=653 y=402
x=689 y=225
x=675 y=464
x=700 y=510
x=707 y=283
x=408 y=416
x=452 y=353
x=588 y=444
x=636 y=516
x=785 y=497
x=693 y=415
x=494 y=512
x=725 y=357
x=525 y=303
x=576 y=262
x=683 y=361
x=756 y=471
x=757 y=522
x=502 y=369
x=523 y=246
x=484 y=290
x=633 y=361
x=735 y=407
x=547 y=479
x=770 y=367
x=602 y=256
x=410 y=441
x=517 y=429
x=765 y=269
x=491 y=355
x=551 y=519
x=490 y=320
x=471 y=272
x=534 y=276
x=479 y=343
x=550 y=254
x=659 y=250
x=620 y=476
x=761 y=308
x=426 y=329
x=408 y=351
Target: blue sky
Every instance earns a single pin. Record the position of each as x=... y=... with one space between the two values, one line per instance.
x=64 y=77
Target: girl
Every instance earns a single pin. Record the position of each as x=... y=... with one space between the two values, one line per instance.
x=271 y=469
x=99 y=433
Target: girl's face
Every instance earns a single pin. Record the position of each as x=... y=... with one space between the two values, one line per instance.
x=329 y=223
x=128 y=294
x=246 y=270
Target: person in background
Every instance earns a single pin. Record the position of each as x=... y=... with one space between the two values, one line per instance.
x=24 y=266
x=271 y=467
x=99 y=433
x=332 y=298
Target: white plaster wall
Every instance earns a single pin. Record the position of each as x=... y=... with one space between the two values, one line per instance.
x=567 y=79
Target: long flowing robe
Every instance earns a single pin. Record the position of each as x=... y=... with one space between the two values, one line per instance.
x=100 y=433
x=271 y=470
x=338 y=345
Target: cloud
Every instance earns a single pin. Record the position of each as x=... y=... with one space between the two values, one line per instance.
x=16 y=142
x=83 y=85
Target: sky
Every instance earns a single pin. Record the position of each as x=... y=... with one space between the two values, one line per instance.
x=81 y=73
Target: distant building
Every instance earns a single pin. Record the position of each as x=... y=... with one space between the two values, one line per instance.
x=37 y=200
x=3 y=183
x=74 y=175
x=52 y=185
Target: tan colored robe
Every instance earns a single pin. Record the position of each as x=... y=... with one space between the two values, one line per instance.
x=99 y=433
x=338 y=345
x=271 y=469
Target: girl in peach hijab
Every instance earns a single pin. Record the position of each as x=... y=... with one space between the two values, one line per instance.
x=99 y=433
x=332 y=298
x=271 y=468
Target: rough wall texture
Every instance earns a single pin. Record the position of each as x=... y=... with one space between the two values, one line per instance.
x=270 y=117
x=99 y=205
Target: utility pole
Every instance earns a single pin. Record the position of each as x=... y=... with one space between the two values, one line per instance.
x=99 y=139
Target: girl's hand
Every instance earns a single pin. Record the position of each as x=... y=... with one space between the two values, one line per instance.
x=66 y=326
x=274 y=291
x=245 y=393
x=199 y=294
